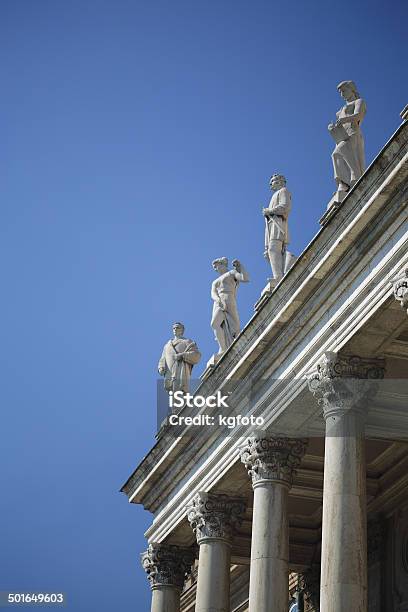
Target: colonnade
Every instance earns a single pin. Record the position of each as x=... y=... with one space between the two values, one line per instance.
x=344 y=386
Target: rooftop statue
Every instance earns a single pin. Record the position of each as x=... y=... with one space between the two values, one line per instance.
x=178 y=358
x=348 y=156
x=276 y=227
x=225 y=317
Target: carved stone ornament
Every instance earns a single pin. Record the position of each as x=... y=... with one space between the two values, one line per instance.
x=167 y=565
x=343 y=382
x=272 y=458
x=214 y=515
x=400 y=284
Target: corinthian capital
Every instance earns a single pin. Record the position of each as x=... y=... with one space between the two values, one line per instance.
x=272 y=458
x=400 y=284
x=214 y=515
x=341 y=382
x=167 y=565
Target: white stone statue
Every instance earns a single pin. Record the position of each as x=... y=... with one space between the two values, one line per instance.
x=348 y=156
x=178 y=358
x=225 y=317
x=276 y=227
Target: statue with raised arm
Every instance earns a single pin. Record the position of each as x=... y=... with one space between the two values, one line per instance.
x=225 y=317
x=348 y=156
x=276 y=228
x=178 y=358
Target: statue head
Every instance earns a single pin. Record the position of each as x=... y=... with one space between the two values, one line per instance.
x=220 y=265
x=277 y=182
x=178 y=329
x=348 y=90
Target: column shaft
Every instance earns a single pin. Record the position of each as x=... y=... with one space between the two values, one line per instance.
x=166 y=566
x=214 y=518
x=268 y=591
x=271 y=463
x=213 y=583
x=344 y=386
x=344 y=529
x=165 y=599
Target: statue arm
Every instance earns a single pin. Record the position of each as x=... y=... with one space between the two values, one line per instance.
x=162 y=364
x=192 y=355
x=267 y=212
x=281 y=210
x=240 y=273
x=284 y=204
x=214 y=294
x=357 y=116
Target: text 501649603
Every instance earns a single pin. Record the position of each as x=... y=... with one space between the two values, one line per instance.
x=41 y=598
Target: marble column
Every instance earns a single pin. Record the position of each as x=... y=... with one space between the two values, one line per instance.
x=400 y=284
x=214 y=517
x=344 y=386
x=271 y=462
x=167 y=567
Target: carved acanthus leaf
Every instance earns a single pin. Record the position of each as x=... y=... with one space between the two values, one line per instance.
x=213 y=515
x=272 y=458
x=341 y=382
x=167 y=565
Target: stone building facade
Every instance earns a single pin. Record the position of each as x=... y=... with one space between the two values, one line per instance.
x=311 y=512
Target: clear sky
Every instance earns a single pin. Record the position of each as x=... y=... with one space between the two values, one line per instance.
x=137 y=143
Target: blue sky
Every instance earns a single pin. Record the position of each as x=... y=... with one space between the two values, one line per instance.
x=137 y=143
